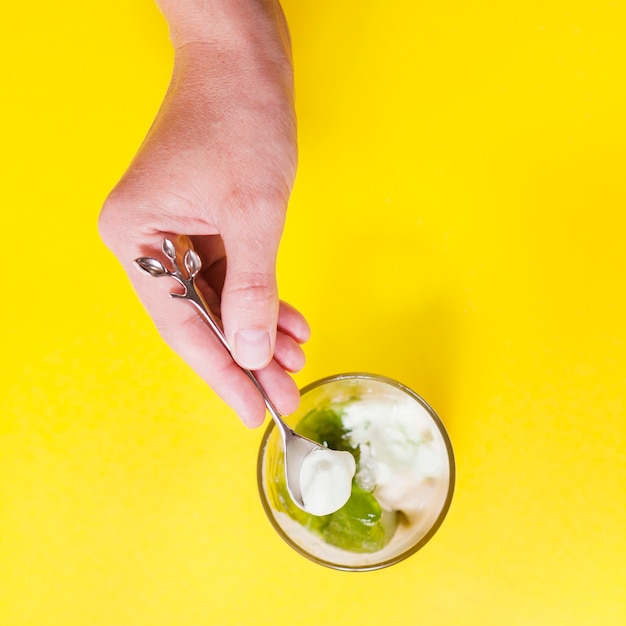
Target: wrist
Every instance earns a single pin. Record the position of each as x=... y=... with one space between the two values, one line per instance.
x=225 y=22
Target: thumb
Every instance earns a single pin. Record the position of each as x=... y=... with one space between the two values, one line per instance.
x=249 y=301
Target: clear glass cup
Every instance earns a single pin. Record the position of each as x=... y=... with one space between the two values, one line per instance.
x=430 y=500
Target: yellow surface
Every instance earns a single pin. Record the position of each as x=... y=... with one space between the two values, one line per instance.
x=458 y=223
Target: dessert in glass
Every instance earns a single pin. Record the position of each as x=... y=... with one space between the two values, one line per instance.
x=404 y=479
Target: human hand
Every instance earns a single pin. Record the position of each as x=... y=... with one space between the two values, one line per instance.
x=218 y=166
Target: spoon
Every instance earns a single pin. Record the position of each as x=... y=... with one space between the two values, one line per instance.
x=296 y=447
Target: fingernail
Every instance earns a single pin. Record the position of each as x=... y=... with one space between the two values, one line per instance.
x=252 y=348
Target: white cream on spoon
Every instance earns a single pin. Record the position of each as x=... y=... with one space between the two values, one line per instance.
x=326 y=480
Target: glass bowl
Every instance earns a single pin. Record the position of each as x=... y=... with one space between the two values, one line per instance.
x=411 y=509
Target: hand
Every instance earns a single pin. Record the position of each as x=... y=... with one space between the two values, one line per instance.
x=218 y=166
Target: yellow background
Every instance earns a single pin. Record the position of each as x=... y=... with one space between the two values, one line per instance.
x=457 y=223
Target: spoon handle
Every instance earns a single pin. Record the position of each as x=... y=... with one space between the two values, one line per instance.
x=198 y=301
x=193 y=265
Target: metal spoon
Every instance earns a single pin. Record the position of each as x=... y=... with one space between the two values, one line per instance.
x=296 y=447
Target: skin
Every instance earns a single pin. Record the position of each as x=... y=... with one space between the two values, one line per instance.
x=218 y=166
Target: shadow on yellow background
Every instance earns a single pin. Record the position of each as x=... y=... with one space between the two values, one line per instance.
x=457 y=224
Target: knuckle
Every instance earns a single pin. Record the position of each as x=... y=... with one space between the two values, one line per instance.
x=262 y=197
x=252 y=287
x=107 y=218
x=116 y=216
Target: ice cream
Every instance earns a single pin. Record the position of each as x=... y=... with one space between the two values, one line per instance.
x=399 y=456
x=326 y=480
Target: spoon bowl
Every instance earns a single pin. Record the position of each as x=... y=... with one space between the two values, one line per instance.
x=296 y=449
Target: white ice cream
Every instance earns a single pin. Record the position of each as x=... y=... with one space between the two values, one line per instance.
x=326 y=480
x=401 y=456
